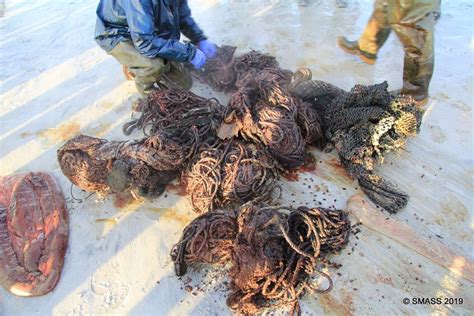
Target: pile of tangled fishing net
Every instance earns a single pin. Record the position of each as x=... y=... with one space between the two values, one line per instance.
x=261 y=88
x=226 y=71
x=142 y=166
x=186 y=118
x=364 y=124
x=229 y=172
x=264 y=112
x=266 y=116
x=273 y=251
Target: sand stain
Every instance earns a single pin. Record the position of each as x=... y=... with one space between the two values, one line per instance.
x=60 y=134
x=331 y=305
x=99 y=130
x=306 y=62
x=384 y=280
x=107 y=105
x=126 y=202
x=437 y=134
x=171 y=214
x=290 y=175
x=454 y=208
x=333 y=171
x=309 y=165
x=338 y=168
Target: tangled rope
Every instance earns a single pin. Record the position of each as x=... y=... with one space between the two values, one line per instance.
x=275 y=251
x=109 y=167
x=182 y=116
x=310 y=124
x=261 y=106
x=230 y=172
x=255 y=62
x=228 y=73
x=265 y=113
x=364 y=125
x=208 y=238
x=219 y=72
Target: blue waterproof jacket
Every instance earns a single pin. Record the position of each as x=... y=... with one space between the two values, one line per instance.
x=154 y=27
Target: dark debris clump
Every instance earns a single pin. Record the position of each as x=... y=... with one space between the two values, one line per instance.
x=272 y=251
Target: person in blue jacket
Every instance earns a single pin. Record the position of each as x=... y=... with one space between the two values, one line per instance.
x=144 y=35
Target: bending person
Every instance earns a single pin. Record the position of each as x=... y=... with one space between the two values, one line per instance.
x=143 y=35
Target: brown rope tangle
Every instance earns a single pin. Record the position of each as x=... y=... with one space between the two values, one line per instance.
x=230 y=172
x=228 y=73
x=109 y=167
x=264 y=112
x=186 y=118
x=261 y=106
x=218 y=72
x=310 y=124
x=275 y=251
x=208 y=238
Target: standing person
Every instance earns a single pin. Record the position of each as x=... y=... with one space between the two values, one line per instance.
x=143 y=35
x=413 y=21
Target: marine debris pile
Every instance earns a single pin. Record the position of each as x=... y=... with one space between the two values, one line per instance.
x=183 y=116
x=272 y=251
x=264 y=112
x=143 y=166
x=230 y=159
x=364 y=124
x=230 y=172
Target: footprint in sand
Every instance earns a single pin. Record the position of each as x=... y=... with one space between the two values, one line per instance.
x=106 y=293
x=437 y=134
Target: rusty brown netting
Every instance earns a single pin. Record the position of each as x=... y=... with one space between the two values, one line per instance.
x=230 y=172
x=115 y=166
x=275 y=251
x=363 y=124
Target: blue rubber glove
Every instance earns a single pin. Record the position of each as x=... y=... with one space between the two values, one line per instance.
x=209 y=48
x=199 y=59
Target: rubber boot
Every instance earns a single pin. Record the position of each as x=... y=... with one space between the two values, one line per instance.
x=416 y=80
x=352 y=47
x=374 y=36
x=417 y=39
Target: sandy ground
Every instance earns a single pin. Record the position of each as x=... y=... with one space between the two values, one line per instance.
x=56 y=83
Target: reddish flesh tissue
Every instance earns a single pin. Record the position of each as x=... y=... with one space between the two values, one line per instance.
x=33 y=233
